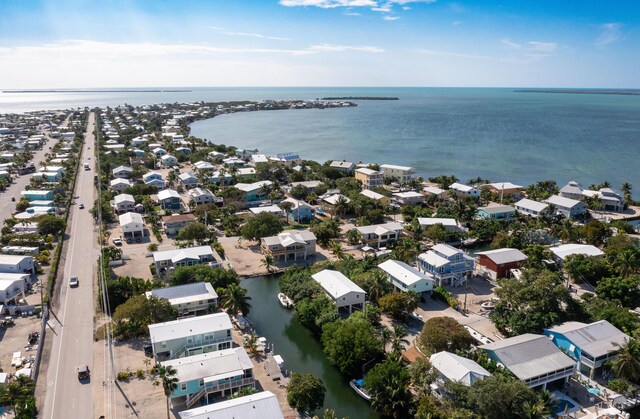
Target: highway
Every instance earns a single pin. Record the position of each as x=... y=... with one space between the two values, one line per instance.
x=72 y=318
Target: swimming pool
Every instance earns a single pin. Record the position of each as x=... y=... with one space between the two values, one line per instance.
x=561 y=405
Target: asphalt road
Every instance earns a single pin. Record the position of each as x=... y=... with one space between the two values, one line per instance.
x=72 y=317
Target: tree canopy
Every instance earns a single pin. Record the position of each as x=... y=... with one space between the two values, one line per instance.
x=444 y=334
x=305 y=392
x=133 y=317
x=388 y=385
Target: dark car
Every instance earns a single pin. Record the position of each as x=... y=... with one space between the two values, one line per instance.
x=148 y=350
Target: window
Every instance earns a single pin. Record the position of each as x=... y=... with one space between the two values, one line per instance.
x=164 y=345
x=183 y=386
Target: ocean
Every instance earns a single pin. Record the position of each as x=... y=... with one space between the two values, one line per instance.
x=499 y=134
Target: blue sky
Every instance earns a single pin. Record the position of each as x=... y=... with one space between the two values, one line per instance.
x=484 y=43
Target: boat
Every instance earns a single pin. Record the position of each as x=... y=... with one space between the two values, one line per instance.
x=285 y=301
x=356 y=385
x=488 y=305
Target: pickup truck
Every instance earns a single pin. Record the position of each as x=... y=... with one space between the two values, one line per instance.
x=83 y=372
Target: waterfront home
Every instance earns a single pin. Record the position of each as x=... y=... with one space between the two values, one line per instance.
x=591 y=345
x=131 y=225
x=300 y=212
x=13 y=287
x=168 y=160
x=20 y=264
x=347 y=295
x=215 y=156
x=123 y=172
x=498 y=263
x=445 y=263
x=263 y=405
x=343 y=166
x=449 y=224
x=203 y=166
x=158 y=151
x=233 y=161
x=244 y=173
x=210 y=375
x=273 y=209
x=176 y=222
x=496 y=212
x=258 y=159
x=566 y=206
x=123 y=203
x=203 y=196
x=609 y=200
x=188 y=299
x=330 y=203
x=382 y=199
x=505 y=189
x=256 y=191
x=220 y=176
x=401 y=174
x=409 y=198
x=439 y=193
x=369 y=178
x=290 y=245
x=189 y=256
x=169 y=199
x=406 y=278
x=183 y=150
x=245 y=153
x=287 y=159
x=119 y=184
x=464 y=191
x=562 y=252
x=190 y=336
x=311 y=185
x=531 y=208
x=188 y=180
x=38 y=195
x=452 y=367
x=380 y=235
x=533 y=359
x=572 y=190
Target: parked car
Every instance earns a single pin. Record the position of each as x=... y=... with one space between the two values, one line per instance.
x=13 y=198
x=81 y=206
x=73 y=281
x=83 y=372
x=117 y=241
x=148 y=350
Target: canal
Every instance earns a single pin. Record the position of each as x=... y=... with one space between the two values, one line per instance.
x=301 y=351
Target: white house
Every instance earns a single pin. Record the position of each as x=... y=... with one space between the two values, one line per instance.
x=262 y=405
x=119 y=184
x=188 y=299
x=406 y=278
x=203 y=196
x=452 y=367
x=449 y=224
x=409 y=198
x=203 y=166
x=567 y=207
x=123 y=172
x=436 y=191
x=343 y=166
x=290 y=245
x=380 y=235
x=341 y=290
x=13 y=286
x=531 y=208
x=132 y=225
x=464 y=190
x=16 y=264
x=168 y=160
x=402 y=174
x=124 y=203
x=189 y=256
x=564 y=251
x=258 y=159
x=273 y=209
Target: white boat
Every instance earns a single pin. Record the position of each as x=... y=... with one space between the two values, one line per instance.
x=488 y=305
x=285 y=301
x=356 y=385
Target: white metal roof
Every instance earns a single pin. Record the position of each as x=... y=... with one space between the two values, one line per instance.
x=288 y=238
x=458 y=368
x=565 y=250
x=335 y=283
x=192 y=252
x=249 y=187
x=189 y=326
x=531 y=205
x=504 y=186
x=123 y=197
x=333 y=199
x=263 y=405
x=446 y=222
x=368 y=172
x=211 y=364
x=380 y=228
x=268 y=208
x=433 y=259
x=371 y=194
x=396 y=167
x=404 y=273
x=181 y=294
x=506 y=255
x=168 y=194
x=596 y=339
x=130 y=218
x=446 y=250
x=562 y=202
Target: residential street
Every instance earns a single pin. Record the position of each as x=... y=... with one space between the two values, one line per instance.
x=72 y=315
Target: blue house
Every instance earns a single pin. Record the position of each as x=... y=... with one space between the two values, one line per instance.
x=169 y=199
x=301 y=211
x=205 y=377
x=497 y=212
x=591 y=345
x=446 y=264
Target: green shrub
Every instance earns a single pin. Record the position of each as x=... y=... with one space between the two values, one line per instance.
x=441 y=294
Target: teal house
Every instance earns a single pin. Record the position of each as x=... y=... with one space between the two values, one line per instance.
x=497 y=212
x=38 y=195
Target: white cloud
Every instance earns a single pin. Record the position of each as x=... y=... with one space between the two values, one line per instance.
x=543 y=46
x=456 y=23
x=344 y=48
x=510 y=43
x=391 y=18
x=384 y=9
x=610 y=33
x=247 y=34
x=452 y=54
x=331 y=4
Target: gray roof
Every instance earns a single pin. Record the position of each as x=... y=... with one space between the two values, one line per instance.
x=227 y=362
x=458 y=368
x=562 y=202
x=187 y=292
x=189 y=326
x=531 y=205
x=596 y=339
x=497 y=209
x=528 y=356
x=263 y=405
x=506 y=255
x=572 y=187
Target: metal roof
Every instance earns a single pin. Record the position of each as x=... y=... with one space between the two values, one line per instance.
x=190 y=326
x=458 y=368
x=565 y=250
x=404 y=273
x=531 y=205
x=380 y=228
x=210 y=364
x=263 y=405
x=562 y=202
x=506 y=255
x=336 y=284
x=596 y=339
x=185 y=293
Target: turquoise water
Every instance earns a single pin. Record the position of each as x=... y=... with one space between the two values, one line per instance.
x=561 y=405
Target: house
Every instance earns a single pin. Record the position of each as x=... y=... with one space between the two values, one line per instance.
x=215 y=156
x=505 y=189
x=183 y=150
x=380 y=235
x=290 y=245
x=203 y=196
x=331 y=203
x=188 y=180
x=409 y=198
x=132 y=225
x=439 y=193
x=382 y=199
x=220 y=176
x=154 y=179
x=51 y=177
x=311 y=185
x=498 y=263
x=159 y=151
x=38 y=195
x=119 y=184
x=609 y=200
x=245 y=153
x=406 y=278
x=300 y=212
x=464 y=191
x=210 y=375
x=169 y=199
x=245 y=173
x=233 y=162
x=16 y=264
x=571 y=190
x=496 y=212
x=188 y=299
x=273 y=209
x=174 y=223
x=446 y=263
x=401 y=174
x=168 y=160
x=256 y=191
x=123 y=203
x=449 y=224
x=452 y=367
x=343 y=166
x=591 y=345
x=531 y=208
x=190 y=336
x=262 y=405
x=122 y=172
x=13 y=287
x=258 y=159
x=566 y=206
x=369 y=178
x=287 y=159
x=188 y=256
x=562 y=252
x=203 y=166
x=533 y=359
x=347 y=295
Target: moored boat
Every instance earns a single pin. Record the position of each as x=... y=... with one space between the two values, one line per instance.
x=356 y=385
x=285 y=301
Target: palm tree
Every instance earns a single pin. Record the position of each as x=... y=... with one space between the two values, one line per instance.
x=168 y=379
x=399 y=339
x=234 y=300
x=268 y=261
x=342 y=206
x=567 y=231
x=286 y=206
x=152 y=247
x=627 y=363
x=406 y=250
x=377 y=285
x=626 y=263
x=626 y=192
x=386 y=337
x=337 y=250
